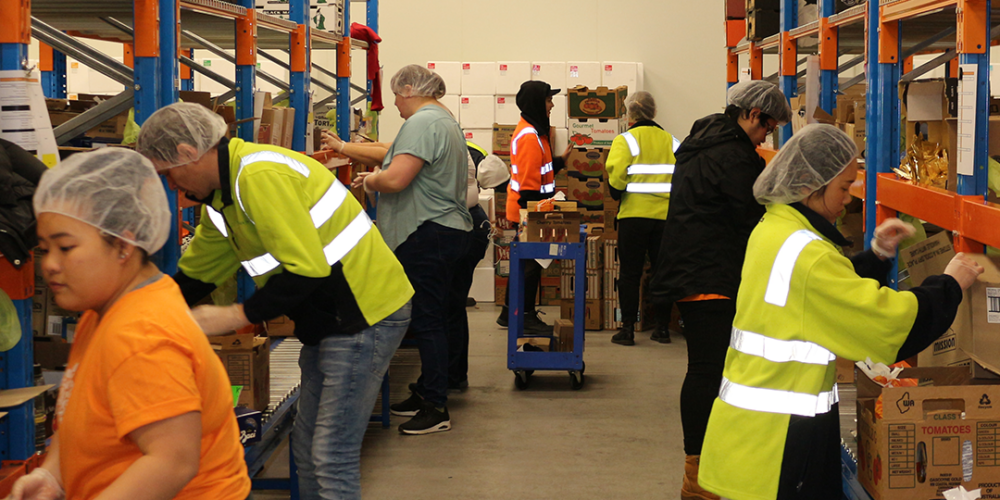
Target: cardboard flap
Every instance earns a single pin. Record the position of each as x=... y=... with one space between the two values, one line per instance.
x=939 y=376
x=16 y=397
x=233 y=341
x=988 y=366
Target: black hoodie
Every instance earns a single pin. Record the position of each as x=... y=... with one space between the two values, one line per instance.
x=712 y=212
x=531 y=101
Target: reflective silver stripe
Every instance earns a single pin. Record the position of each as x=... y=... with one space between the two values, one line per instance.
x=777 y=401
x=328 y=204
x=262 y=265
x=270 y=156
x=546 y=168
x=217 y=220
x=633 y=145
x=677 y=144
x=549 y=188
x=780 y=351
x=663 y=169
x=648 y=187
x=515 y=186
x=781 y=271
x=348 y=238
x=513 y=169
x=524 y=131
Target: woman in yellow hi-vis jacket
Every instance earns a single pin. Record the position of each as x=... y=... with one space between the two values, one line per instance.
x=774 y=431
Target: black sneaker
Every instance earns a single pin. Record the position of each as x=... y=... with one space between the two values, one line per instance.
x=458 y=386
x=408 y=408
x=661 y=335
x=625 y=336
x=502 y=320
x=534 y=325
x=470 y=302
x=427 y=421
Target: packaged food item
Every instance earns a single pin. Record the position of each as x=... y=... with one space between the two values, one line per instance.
x=925 y=164
x=886 y=376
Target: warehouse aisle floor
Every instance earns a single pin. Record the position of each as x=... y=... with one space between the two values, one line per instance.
x=617 y=437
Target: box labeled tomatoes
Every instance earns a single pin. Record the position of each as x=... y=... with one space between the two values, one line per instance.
x=601 y=102
x=587 y=192
x=594 y=133
x=587 y=162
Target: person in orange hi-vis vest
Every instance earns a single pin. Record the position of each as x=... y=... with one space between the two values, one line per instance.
x=532 y=179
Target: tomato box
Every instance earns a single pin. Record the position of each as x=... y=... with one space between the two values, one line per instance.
x=588 y=192
x=601 y=102
x=587 y=162
x=594 y=133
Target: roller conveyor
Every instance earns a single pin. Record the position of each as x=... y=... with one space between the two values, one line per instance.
x=285 y=374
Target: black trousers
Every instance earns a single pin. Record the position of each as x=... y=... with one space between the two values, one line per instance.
x=708 y=325
x=810 y=466
x=637 y=238
x=458 y=318
x=532 y=279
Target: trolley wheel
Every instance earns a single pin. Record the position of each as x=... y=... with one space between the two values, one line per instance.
x=583 y=367
x=521 y=379
x=576 y=380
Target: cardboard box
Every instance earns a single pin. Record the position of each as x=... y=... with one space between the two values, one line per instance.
x=593 y=315
x=845 y=371
x=586 y=74
x=928 y=100
x=451 y=73
x=287 y=128
x=502 y=136
x=500 y=290
x=930 y=438
x=481 y=137
x=52 y=353
x=612 y=314
x=588 y=192
x=454 y=104
x=562 y=332
x=196 y=97
x=552 y=227
x=247 y=362
x=621 y=74
x=543 y=343
x=595 y=133
x=558 y=117
x=560 y=139
x=552 y=73
x=588 y=162
x=610 y=223
x=506 y=110
x=858 y=135
x=250 y=424
x=281 y=326
x=550 y=295
x=510 y=76
x=38 y=310
x=477 y=111
x=479 y=78
x=601 y=102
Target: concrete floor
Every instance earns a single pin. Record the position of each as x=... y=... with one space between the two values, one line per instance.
x=617 y=437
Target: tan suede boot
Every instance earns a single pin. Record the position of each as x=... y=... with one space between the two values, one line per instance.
x=690 y=489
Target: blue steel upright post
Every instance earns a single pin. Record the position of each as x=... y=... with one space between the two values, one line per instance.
x=344 y=78
x=884 y=48
x=299 y=82
x=17 y=429
x=828 y=48
x=371 y=18
x=973 y=48
x=789 y=55
x=246 y=69
x=169 y=79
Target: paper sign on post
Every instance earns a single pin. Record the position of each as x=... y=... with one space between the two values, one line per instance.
x=967 y=95
x=24 y=118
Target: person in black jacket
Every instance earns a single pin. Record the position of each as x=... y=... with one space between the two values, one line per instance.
x=712 y=213
x=20 y=172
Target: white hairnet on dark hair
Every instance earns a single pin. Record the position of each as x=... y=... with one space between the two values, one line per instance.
x=421 y=81
x=176 y=124
x=640 y=106
x=115 y=190
x=812 y=158
x=760 y=94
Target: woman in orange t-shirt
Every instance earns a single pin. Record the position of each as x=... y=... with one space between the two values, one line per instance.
x=145 y=406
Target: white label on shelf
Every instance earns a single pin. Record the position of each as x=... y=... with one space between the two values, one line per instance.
x=967 y=97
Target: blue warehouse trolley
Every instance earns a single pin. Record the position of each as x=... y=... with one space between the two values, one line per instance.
x=525 y=363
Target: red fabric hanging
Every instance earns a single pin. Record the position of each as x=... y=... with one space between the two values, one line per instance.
x=364 y=33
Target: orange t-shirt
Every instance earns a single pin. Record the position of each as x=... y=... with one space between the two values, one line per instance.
x=146 y=361
x=703 y=297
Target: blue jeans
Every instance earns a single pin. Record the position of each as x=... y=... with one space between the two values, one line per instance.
x=341 y=378
x=430 y=256
x=458 y=318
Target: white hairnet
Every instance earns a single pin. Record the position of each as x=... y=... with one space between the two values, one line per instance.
x=808 y=161
x=760 y=94
x=640 y=106
x=115 y=190
x=176 y=124
x=422 y=82
x=492 y=172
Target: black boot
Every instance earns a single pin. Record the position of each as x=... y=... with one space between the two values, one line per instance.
x=504 y=313
x=661 y=335
x=625 y=336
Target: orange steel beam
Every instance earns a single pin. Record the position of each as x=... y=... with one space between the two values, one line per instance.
x=46 y=59
x=857 y=188
x=147 y=28
x=736 y=30
x=972 y=20
x=732 y=67
x=828 y=45
x=185 y=70
x=979 y=221
x=953 y=67
x=130 y=56
x=299 y=56
x=218 y=9
x=15 y=18
x=756 y=62
x=907 y=65
x=908 y=9
x=344 y=58
x=844 y=21
x=789 y=55
x=246 y=39
x=888 y=42
x=933 y=205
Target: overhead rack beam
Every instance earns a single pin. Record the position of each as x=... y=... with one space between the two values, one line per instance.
x=284 y=65
x=221 y=52
x=94 y=116
x=84 y=53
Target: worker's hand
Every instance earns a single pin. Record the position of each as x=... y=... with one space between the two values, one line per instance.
x=359 y=181
x=218 y=320
x=964 y=270
x=888 y=235
x=39 y=485
x=331 y=142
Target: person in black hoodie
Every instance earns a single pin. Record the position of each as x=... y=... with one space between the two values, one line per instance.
x=712 y=213
x=20 y=172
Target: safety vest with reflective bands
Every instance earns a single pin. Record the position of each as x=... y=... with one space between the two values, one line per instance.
x=641 y=163
x=800 y=305
x=289 y=212
x=530 y=167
